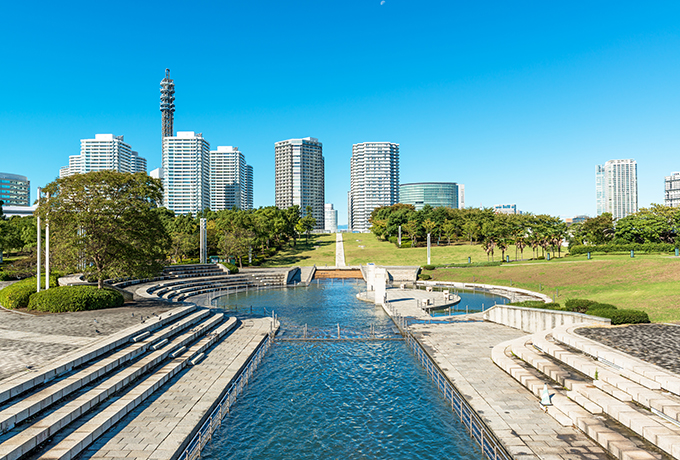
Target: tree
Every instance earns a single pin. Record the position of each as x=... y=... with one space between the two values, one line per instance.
x=411 y=228
x=106 y=220
x=306 y=224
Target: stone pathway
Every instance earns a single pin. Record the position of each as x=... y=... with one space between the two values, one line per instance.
x=654 y=343
x=339 y=251
x=158 y=428
x=463 y=352
x=405 y=301
x=27 y=340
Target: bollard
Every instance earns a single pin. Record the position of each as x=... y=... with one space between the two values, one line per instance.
x=588 y=255
x=677 y=252
x=507 y=259
x=632 y=253
x=466 y=309
x=338 y=331
x=547 y=256
x=469 y=260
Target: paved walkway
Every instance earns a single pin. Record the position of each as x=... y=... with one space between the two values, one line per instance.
x=158 y=428
x=339 y=251
x=406 y=301
x=27 y=340
x=463 y=352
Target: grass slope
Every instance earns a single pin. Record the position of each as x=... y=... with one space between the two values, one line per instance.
x=319 y=251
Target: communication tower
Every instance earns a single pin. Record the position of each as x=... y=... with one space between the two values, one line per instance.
x=167 y=104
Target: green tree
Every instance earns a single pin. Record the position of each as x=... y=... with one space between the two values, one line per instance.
x=106 y=220
x=306 y=224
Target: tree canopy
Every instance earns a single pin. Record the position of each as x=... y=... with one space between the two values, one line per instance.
x=106 y=223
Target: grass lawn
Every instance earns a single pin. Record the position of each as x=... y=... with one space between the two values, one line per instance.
x=646 y=282
x=362 y=248
x=319 y=251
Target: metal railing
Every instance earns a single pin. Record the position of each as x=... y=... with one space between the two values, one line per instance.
x=491 y=447
x=193 y=449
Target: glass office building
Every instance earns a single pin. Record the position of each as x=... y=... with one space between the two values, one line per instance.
x=15 y=190
x=436 y=194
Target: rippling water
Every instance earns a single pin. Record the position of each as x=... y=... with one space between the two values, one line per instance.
x=336 y=399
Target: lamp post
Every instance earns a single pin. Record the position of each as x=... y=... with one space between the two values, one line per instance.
x=39 y=241
x=47 y=248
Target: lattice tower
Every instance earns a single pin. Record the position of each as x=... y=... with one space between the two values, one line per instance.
x=167 y=104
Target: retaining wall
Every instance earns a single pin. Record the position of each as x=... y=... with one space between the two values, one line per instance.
x=536 y=319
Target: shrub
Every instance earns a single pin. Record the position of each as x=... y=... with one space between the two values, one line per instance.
x=233 y=269
x=601 y=306
x=424 y=276
x=429 y=267
x=75 y=298
x=622 y=316
x=579 y=305
x=475 y=264
x=623 y=248
x=17 y=295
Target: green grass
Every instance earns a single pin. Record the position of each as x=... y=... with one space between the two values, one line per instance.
x=385 y=253
x=648 y=282
x=306 y=254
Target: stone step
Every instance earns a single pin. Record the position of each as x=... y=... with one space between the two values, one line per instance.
x=86 y=434
x=611 y=381
x=646 y=374
x=23 y=439
x=603 y=396
x=564 y=410
x=32 y=404
x=24 y=382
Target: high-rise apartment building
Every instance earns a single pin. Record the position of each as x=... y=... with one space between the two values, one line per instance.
x=230 y=179
x=506 y=209
x=15 y=190
x=672 y=190
x=330 y=218
x=299 y=176
x=374 y=181
x=436 y=194
x=186 y=173
x=617 y=191
x=105 y=151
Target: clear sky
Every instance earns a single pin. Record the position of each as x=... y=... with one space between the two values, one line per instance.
x=517 y=100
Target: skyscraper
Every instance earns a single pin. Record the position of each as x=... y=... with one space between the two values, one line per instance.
x=167 y=105
x=230 y=179
x=105 y=151
x=186 y=173
x=672 y=190
x=374 y=181
x=299 y=176
x=618 y=181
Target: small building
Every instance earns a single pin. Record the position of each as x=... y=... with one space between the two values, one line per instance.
x=506 y=209
x=672 y=190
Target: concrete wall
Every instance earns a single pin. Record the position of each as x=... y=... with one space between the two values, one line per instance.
x=535 y=319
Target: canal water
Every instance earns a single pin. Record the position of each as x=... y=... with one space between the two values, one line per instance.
x=335 y=399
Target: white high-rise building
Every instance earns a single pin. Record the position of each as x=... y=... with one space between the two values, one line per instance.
x=105 y=151
x=186 y=173
x=331 y=218
x=230 y=179
x=672 y=189
x=374 y=181
x=299 y=176
x=618 y=181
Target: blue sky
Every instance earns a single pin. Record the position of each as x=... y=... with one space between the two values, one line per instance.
x=517 y=100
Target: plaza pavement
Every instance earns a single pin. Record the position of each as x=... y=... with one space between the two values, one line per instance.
x=339 y=251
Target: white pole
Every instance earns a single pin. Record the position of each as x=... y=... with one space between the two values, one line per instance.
x=47 y=251
x=428 y=249
x=39 y=245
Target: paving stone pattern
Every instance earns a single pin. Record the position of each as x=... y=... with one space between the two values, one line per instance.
x=463 y=351
x=35 y=340
x=654 y=343
x=157 y=429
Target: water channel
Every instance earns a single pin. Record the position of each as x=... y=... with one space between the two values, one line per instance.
x=336 y=399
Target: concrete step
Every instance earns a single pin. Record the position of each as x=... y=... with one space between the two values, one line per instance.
x=30 y=405
x=603 y=396
x=564 y=410
x=90 y=431
x=24 y=382
x=23 y=439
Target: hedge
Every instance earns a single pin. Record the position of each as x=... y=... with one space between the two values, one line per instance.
x=429 y=267
x=579 y=305
x=637 y=247
x=233 y=269
x=75 y=298
x=17 y=295
x=621 y=316
x=424 y=276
